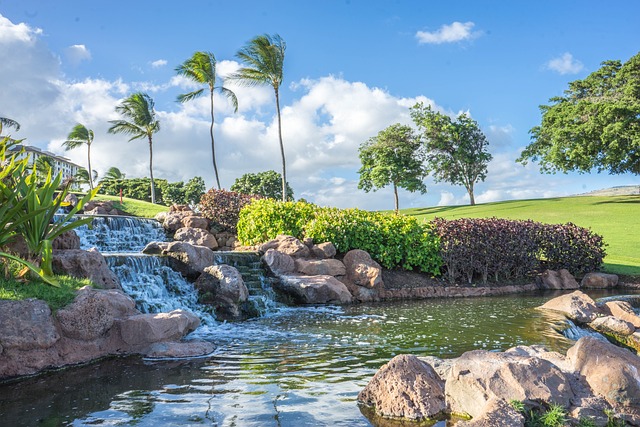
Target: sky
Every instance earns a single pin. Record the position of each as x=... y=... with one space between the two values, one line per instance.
x=352 y=68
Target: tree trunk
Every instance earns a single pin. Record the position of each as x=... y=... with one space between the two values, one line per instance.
x=395 y=195
x=284 y=167
x=89 y=163
x=471 y=198
x=153 y=184
x=213 y=146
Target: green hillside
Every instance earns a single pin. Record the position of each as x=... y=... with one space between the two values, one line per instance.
x=134 y=207
x=616 y=218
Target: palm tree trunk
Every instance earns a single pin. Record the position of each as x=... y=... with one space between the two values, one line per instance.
x=89 y=163
x=213 y=146
x=153 y=184
x=395 y=195
x=284 y=166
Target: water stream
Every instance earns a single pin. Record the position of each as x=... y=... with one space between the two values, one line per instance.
x=301 y=366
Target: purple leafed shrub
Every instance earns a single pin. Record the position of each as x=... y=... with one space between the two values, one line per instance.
x=222 y=208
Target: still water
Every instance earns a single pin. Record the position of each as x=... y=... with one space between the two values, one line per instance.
x=296 y=367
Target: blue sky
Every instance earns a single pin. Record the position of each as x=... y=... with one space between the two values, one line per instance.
x=352 y=68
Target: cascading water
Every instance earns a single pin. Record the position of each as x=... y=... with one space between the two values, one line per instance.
x=120 y=234
x=574 y=332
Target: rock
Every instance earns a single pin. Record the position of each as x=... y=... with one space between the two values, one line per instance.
x=558 y=280
x=16 y=245
x=144 y=329
x=93 y=313
x=161 y=216
x=362 y=270
x=577 y=306
x=406 y=387
x=153 y=248
x=173 y=220
x=323 y=250
x=194 y=221
x=278 y=262
x=624 y=311
x=611 y=371
x=599 y=280
x=287 y=245
x=196 y=236
x=612 y=325
x=67 y=240
x=314 y=289
x=359 y=293
x=85 y=265
x=223 y=287
x=329 y=267
x=497 y=413
x=179 y=350
x=180 y=208
x=71 y=199
x=26 y=325
x=190 y=260
x=479 y=376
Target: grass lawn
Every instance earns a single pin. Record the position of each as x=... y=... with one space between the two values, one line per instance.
x=616 y=218
x=56 y=297
x=133 y=207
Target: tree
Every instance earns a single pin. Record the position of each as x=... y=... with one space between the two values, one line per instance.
x=395 y=156
x=193 y=190
x=263 y=59
x=595 y=125
x=142 y=123
x=112 y=174
x=6 y=122
x=78 y=136
x=82 y=177
x=201 y=68
x=456 y=148
x=266 y=184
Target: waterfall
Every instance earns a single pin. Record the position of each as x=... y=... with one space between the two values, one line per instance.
x=156 y=287
x=573 y=332
x=120 y=234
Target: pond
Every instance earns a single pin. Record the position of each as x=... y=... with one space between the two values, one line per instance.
x=296 y=367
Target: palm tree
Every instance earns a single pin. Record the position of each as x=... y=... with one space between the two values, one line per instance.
x=44 y=166
x=201 y=68
x=81 y=135
x=82 y=177
x=112 y=174
x=6 y=122
x=263 y=59
x=138 y=109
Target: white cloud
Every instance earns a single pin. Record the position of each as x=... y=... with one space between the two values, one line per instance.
x=565 y=64
x=159 y=63
x=455 y=32
x=21 y=33
x=77 y=53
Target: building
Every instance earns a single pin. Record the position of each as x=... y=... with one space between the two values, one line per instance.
x=61 y=165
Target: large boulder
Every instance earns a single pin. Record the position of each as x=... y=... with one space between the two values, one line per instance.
x=85 y=265
x=362 y=270
x=196 y=236
x=406 y=387
x=287 y=245
x=497 y=413
x=610 y=371
x=599 y=280
x=623 y=311
x=195 y=221
x=329 y=267
x=67 y=240
x=190 y=260
x=26 y=325
x=314 y=289
x=562 y=279
x=141 y=330
x=93 y=313
x=278 y=262
x=612 y=325
x=577 y=306
x=179 y=350
x=479 y=376
x=323 y=250
x=222 y=286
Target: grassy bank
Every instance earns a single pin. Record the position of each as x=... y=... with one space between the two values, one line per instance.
x=57 y=298
x=134 y=207
x=616 y=218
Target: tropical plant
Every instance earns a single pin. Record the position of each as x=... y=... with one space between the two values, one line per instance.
x=194 y=190
x=263 y=60
x=201 y=68
x=265 y=184
x=82 y=177
x=395 y=156
x=112 y=174
x=594 y=125
x=78 y=136
x=43 y=166
x=6 y=122
x=456 y=148
x=140 y=122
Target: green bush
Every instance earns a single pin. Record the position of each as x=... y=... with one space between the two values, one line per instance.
x=264 y=219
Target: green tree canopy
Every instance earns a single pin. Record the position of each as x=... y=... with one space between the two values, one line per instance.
x=266 y=184
x=193 y=190
x=201 y=68
x=456 y=148
x=263 y=64
x=140 y=122
x=594 y=125
x=79 y=136
x=394 y=157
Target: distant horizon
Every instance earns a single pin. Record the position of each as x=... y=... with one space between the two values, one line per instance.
x=351 y=69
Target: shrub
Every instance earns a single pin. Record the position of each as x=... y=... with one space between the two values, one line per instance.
x=577 y=249
x=222 y=208
x=264 y=219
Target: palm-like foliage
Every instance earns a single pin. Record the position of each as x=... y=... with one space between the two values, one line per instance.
x=82 y=177
x=201 y=68
x=78 y=136
x=6 y=122
x=43 y=167
x=113 y=174
x=263 y=59
x=140 y=122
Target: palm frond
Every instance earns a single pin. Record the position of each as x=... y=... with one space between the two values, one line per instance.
x=186 y=97
x=231 y=97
